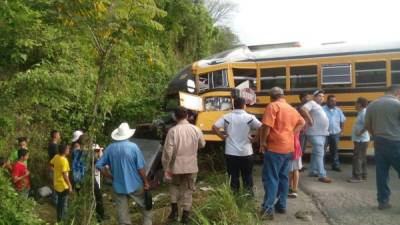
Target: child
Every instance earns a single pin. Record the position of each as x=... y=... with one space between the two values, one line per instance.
x=20 y=174
x=360 y=137
x=62 y=184
x=22 y=144
x=295 y=166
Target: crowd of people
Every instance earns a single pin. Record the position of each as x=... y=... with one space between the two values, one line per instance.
x=281 y=135
x=63 y=178
x=284 y=132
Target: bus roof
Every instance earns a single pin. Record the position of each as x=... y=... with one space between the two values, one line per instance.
x=293 y=50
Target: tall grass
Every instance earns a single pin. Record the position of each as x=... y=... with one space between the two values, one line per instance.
x=225 y=208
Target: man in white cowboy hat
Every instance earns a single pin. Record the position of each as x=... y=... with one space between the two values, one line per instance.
x=127 y=164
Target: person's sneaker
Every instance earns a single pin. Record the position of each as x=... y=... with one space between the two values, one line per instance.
x=280 y=210
x=337 y=169
x=313 y=175
x=292 y=194
x=383 y=206
x=355 y=180
x=325 y=180
x=267 y=216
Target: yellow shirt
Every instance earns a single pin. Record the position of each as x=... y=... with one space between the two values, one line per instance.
x=61 y=165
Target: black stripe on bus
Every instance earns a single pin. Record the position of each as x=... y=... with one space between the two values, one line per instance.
x=342 y=138
x=330 y=91
x=344 y=103
x=347 y=114
x=324 y=55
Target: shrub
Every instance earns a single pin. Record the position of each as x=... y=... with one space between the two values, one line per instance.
x=225 y=208
x=15 y=209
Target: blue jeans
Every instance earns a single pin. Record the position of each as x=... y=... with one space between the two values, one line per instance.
x=317 y=155
x=275 y=177
x=332 y=141
x=62 y=205
x=387 y=154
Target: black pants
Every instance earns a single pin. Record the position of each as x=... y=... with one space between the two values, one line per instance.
x=332 y=141
x=62 y=204
x=99 y=201
x=240 y=165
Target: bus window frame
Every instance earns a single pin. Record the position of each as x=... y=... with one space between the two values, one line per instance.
x=380 y=59
x=245 y=68
x=272 y=67
x=318 y=76
x=391 y=69
x=210 y=74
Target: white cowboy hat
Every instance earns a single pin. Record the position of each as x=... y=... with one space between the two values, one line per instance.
x=123 y=132
x=76 y=135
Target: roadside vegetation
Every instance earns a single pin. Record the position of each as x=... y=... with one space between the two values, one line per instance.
x=90 y=65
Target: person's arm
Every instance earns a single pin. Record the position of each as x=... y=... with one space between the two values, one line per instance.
x=217 y=126
x=264 y=132
x=300 y=124
x=268 y=122
x=255 y=124
x=140 y=166
x=16 y=177
x=305 y=113
x=142 y=173
x=219 y=133
x=342 y=120
x=367 y=122
x=66 y=179
x=101 y=165
x=202 y=141
x=168 y=150
x=364 y=129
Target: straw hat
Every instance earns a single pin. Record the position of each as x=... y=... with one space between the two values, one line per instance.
x=123 y=132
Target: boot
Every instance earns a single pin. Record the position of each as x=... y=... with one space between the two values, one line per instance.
x=173 y=216
x=185 y=217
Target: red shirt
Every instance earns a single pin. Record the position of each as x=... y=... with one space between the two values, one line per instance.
x=19 y=170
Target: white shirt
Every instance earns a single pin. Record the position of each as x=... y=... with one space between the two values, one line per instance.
x=320 y=119
x=238 y=125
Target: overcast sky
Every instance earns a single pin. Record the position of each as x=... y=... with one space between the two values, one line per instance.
x=315 y=21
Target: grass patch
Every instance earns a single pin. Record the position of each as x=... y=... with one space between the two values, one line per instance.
x=222 y=207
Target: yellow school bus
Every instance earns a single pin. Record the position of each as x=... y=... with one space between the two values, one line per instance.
x=345 y=70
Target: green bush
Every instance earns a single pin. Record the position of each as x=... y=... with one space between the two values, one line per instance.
x=225 y=208
x=15 y=209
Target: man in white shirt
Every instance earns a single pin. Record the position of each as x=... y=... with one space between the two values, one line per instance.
x=238 y=143
x=318 y=124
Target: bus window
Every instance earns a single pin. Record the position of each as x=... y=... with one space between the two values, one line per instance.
x=243 y=75
x=395 y=72
x=215 y=79
x=272 y=77
x=336 y=75
x=370 y=74
x=218 y=104
x=303 y=77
